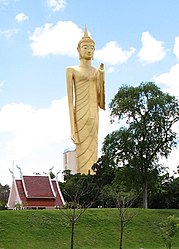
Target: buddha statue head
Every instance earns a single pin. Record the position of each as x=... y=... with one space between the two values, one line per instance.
x=86 y=41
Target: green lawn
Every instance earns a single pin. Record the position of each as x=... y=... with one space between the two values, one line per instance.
x=97 y=229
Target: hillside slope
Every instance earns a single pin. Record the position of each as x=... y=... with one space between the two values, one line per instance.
x=97 y=229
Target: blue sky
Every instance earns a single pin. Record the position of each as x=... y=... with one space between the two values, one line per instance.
x=138 y=41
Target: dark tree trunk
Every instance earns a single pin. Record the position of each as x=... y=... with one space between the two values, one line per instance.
x=122 y=227
x=72 y=229
x=72 y=234
x=121 y=237
x=145 y=190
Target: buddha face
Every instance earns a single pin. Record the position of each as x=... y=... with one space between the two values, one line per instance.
x=86 y=50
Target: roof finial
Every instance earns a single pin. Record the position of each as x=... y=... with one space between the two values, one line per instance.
x=19 y=170
x=12 y=173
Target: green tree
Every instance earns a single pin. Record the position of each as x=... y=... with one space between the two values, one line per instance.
x=80 y=193
x=149 y=116
x=104 y=173
x=80 y=188
x=123 y=200
x=4 y=194
x=169 y=228
x=73 y=212
x=166 y=195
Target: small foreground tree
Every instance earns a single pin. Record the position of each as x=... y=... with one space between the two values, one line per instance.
x=123 y=201
x=80 y=194
x=73 y=213
x=169 y=228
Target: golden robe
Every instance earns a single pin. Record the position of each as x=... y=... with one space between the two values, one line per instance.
x=87 y=95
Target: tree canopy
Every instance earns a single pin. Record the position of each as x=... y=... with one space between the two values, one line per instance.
x=149 y=116
x=131 y=154
x=4 y=193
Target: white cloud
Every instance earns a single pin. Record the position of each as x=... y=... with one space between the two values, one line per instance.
x=35 y=139
x=61 y=38
x=152 y=50
x=113 y=54
x=176 y=47
x=169 y=80
x=8 y=33
x=36 y=128
x=57 y=5
x=21 y=17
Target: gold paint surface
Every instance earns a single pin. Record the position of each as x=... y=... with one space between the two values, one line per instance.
x=85 y=89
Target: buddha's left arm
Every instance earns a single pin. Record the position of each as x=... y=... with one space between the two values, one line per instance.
x=101 y=87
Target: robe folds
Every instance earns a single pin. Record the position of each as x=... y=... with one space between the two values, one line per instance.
x=88 y=96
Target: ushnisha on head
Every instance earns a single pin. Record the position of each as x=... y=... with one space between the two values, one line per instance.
x=85 y=40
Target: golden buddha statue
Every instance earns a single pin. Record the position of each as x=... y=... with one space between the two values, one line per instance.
x=85 y=88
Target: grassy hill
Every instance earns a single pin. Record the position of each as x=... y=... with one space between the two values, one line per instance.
x=97 y=229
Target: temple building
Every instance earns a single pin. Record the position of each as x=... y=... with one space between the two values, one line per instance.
x=35 y=192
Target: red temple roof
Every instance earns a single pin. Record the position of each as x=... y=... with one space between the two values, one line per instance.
x=36 y=192
x=38 y=187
